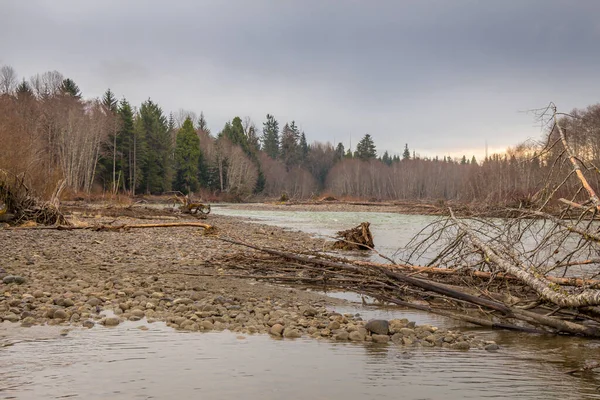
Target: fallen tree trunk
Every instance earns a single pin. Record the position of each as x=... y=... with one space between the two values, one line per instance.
x=423 y=284
x=487 y=275
x=539 y=284
x=125 y=227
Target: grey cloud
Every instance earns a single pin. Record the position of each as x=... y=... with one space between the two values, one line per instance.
x=437 y=74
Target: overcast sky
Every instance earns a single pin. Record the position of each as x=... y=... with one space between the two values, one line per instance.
x=443 y=76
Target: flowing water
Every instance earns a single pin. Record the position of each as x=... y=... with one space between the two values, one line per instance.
x=390 y=231
x=156 y=362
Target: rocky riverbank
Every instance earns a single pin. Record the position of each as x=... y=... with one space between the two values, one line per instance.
x=72 y=278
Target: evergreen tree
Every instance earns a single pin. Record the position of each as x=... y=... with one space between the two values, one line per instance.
x=365 y=149
x=303 y=145
x=126 y=144
x=110 y=101
x=261 y=181
x=252 y=139
x=406 y=153
x=349 y=153
x=386 y=158
x=234 y=131
x=473 y=161
x=157 y=168
x=202 y=124
x=187 y=157
x=139 y=150
x=289 y=150
x=68 y=87
x=270 y=137
x=24 y=90
x=108 y=159
x=171 y=123
x=463 y=160
x=339 y=152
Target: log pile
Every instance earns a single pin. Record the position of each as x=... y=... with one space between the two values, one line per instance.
x=357 y=238
x=392 y=284
x=18 y=205
x=189 y=206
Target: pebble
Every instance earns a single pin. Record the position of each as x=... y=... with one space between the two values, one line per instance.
x=291 y=333
x=27 y=321
x=60 y=314
x=380 y=338
x=19 y=280
x=276 y=330
x=492 y=347
x=112 y=321
x=356 y=336
x=460 y=346
x=88 y=324
x=11 y=317
x=207 y=325
x=94 y=301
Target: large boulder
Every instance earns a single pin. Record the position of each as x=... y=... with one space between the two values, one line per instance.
x=378 y=326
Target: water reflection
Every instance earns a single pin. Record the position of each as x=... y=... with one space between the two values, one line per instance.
x=128 y=363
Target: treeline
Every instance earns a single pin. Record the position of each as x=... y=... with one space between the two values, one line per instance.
x=48 y=132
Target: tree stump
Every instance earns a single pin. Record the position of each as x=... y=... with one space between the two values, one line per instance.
x=358 y=238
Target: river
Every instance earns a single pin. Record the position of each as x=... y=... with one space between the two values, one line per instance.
x=137 y=360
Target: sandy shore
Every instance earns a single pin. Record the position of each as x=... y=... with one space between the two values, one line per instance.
x=398 y=208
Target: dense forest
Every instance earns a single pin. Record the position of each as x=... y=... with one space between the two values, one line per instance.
x=49 y=133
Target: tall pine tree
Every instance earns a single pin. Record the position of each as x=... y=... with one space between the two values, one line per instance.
x=127 y=146
x=157 y=168
x=365 y=149
x=270 y=137
x=406 y=153
x=289 y=149
x=68 y=87
x=187 y=157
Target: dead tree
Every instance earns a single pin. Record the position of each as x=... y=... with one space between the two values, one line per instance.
x=554 y=237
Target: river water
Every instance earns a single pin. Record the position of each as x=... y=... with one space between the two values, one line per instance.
x=156 y=362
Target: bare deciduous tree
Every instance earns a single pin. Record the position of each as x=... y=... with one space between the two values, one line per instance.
x=181 y=115
x=8 y=80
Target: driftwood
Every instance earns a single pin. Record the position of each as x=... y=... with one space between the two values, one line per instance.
x=126 y=227
x=488 y=275
x=387 y=283
x=189 y=206
x=588 y=367
x=358 y=238
x=19 y=205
